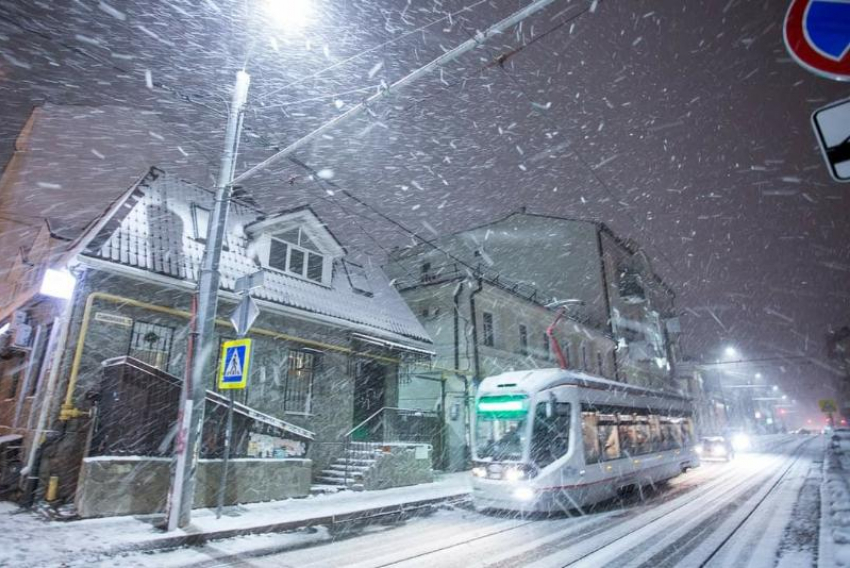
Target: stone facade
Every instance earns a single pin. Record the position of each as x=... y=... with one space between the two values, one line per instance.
x=139 y=486
x=554 y=258
x=328 y=344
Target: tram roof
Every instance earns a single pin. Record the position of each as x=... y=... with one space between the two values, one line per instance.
x=534 y=380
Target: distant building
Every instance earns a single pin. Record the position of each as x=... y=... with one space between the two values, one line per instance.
x=98 y=369
x=838 y=346
x=482 y=294
x=483 y=326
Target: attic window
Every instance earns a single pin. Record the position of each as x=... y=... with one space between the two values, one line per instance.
x=294 y=252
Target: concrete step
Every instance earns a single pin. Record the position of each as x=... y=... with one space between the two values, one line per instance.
x=340 y=473
x=321 y=489
x=349 y=467
x=361 y=454
x=338 y=481
x=355 y=460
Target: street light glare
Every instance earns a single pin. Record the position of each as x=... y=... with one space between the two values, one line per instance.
x=290 y=14
x=731 y=352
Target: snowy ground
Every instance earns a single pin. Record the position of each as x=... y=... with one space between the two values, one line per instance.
x=835 y=518
x=28 y=540
x=761 y=510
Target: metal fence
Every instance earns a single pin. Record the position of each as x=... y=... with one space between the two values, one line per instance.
x=136 y=414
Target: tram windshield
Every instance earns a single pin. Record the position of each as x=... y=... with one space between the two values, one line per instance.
x=500 y=427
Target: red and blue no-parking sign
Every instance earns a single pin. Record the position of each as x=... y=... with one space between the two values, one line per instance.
x=817 y=34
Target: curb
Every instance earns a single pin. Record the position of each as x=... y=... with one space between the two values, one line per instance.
x=196 y=539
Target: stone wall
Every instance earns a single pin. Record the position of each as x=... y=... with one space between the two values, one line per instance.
x=400 y=465
x=111 y=486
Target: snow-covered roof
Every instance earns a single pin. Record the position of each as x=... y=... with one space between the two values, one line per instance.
x=154 y=230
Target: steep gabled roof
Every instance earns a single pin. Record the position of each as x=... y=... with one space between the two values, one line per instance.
x=153 y=230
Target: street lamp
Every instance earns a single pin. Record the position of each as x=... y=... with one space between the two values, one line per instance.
x=730 y=352
x=290 y=14
x=193 y=395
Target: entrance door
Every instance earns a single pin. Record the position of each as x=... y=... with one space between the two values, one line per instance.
x=369 y=382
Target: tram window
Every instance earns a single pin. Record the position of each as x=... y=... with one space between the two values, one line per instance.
x=550 y=436
x=590 y=435
x=687 y=432
x=609 y=440
x=672 y=434
x=656 y=440
x=643 y=445
x=628 y=437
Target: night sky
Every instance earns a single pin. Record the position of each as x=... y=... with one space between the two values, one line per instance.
x=682 y=125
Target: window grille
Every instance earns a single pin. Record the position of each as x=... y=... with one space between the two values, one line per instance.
x=151 y=344
x=299 y=382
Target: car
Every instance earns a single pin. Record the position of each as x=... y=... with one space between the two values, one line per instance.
x=803 y=432
x=715 y=447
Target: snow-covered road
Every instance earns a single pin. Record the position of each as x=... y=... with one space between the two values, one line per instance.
x=753 y=512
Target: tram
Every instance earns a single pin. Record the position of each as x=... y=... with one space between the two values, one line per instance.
x=553 y=439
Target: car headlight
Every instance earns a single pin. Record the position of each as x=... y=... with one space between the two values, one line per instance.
x=514 y=474
x=479 y=472
x=524 y=494
x=741 y=442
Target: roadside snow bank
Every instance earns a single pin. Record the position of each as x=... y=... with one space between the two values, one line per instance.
x=835 y=512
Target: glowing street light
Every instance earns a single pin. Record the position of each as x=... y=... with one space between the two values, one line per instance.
x=58 y=284
x=730 y=352
x=290 y=14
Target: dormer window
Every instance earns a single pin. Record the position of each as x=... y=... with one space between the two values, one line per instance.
x=294 y=252
x=298 y=244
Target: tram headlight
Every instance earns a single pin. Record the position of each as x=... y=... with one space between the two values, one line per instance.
x=479 y=471
x=524 y=494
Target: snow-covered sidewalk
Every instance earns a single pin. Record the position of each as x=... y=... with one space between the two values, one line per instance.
x=834 y=545
x=26 y=539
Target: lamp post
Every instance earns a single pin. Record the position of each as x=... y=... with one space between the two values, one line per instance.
x=191 y=414
x=193 y=394
x=289 y=14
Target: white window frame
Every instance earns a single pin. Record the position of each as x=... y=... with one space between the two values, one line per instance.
x=265 y=244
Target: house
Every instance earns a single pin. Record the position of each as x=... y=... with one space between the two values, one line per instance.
x=483 y=293
x=95 y=342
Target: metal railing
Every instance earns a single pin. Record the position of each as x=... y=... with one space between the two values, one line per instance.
x=391 y=425
x=137 y=410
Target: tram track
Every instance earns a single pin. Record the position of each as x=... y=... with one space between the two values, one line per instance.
x=592 y=526
x=706 y=524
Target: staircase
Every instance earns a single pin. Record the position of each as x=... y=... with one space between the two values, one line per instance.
x=347 y=472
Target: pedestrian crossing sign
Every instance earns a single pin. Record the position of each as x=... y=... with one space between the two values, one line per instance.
x=235 y=364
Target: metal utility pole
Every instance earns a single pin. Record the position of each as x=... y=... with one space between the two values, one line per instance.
x=187 y=444
x=193 y=396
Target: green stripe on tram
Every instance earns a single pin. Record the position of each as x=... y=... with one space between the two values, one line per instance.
x=502 y=406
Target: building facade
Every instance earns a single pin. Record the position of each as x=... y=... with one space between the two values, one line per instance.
x=107 y=317
x=483 y=294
